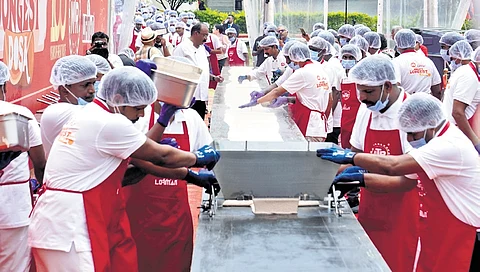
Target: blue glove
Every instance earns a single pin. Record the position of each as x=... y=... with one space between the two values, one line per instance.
x=278 y=72
x=477 y=147
x=280 y=101
x=349 y=179
x=166 y=114
x=206 y=156
x=252 y=103
x=205 y=179
x=256 y=95
x=146 y=66
x=169 y=141
x=337 y=155
x=7 y=157
x=241 y=79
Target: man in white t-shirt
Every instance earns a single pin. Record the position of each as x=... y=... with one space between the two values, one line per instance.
x=15 y=190
x=447 y=166
x=415 y=73
x=462 y=94
x=80 y=223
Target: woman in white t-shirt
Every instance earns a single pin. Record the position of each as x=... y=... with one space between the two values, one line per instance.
x=219 y=31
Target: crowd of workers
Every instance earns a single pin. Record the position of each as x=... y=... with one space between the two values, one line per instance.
x=112 y=163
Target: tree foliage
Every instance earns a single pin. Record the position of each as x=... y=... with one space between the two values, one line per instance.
x=172 y=4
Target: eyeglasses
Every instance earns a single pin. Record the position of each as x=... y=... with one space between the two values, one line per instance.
x=282 y=30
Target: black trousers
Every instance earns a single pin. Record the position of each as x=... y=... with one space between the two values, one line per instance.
x=475 y=264
x=332 y=137
x=201 y=108
x=221 y=63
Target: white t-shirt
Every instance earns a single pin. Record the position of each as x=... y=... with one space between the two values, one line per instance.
x=311 y=85
x=199 y=57
x=241 y=49
x=380 y=121
x=53 y=119
x=265 y=71
x=416 y=73
x=463 y=87
x=452 y=162
x=15 y=199
x=89 y=149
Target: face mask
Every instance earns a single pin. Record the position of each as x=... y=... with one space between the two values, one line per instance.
x=348 y=64
x=80 y=101
x=232 y=39
x=96 y=86
x=380 y=105
x=454 y=66
x=171 y=29
x=189 y=21
x=343 y=41
x=273 y=34
x=314 y=55
x=145 y=16
x=293 y=66
x=444 y=54
x=420 y=142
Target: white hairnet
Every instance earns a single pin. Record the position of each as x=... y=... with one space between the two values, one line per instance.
x=191 y=15
x=183 y=15
x=419 y=112
x=472 y=35
x=72 y=69
x=405 y=38
x=172 y=22
x=358 y=26
x=286 y=47
x=173 y=12
x=374 y=70
x=319 y=44
x=181 y=25
x=269 y=41
x=271 y=28
x=461 y=50
x=4 y=73
x=149 y=22
x=157 y=26
x=299 y=52
x=450 y=38
x=419 y=39
x=334 y=33
x=315 y=33
x=360 y=42
x=346 y=30
x=127 y=52
x=101 y=63
x=362 y=30
x=327 y=36
x=127 y=86
x=476 y=55
x=373 y=39
x=231 y=30
x=139 y=20
x=318 y=26
x=351 y=49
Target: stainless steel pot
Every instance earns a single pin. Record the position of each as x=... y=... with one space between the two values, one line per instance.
x=14 y=132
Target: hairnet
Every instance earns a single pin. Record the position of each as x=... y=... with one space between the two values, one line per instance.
x=450 y=38
x=286 y=47
x=358 y=26
x=127 y=86
x=183 y=15
x=334 y=33
x=351 y=49
x=157 y=26
x=231 y=30
x=373 y=39
x=318 y=26
x=360 y=42
x=327 y=36
x=362 y=30
x=472 y=35
x=271 y=28
x=419 y=39
x=346 y=30
x=149 y=22
x=405 y=38
x=374 y=70
x=191 y=14
x=173 y=12
x=269 y=41
x=461 y=50
x=72 y=69
x=299 y=52
x=319 y=44
x=315 y=33
x=4 y=73
x=476 y=55
x=172 y=22
x=181 y=25
x=419 y=112
x=127 y=52
x=101 y=63
x=139 y=20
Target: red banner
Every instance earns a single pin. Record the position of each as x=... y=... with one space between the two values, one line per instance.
x=36 y=33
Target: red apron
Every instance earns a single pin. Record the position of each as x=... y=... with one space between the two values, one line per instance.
x=161 y=220
x=213 y=64
x=134 y=39
x=177 y=41
x=390 y=220
x=233 y=58
x=446 y=242
x=350 y=106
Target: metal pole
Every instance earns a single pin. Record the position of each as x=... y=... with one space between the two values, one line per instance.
x=325 y=13
x=346 y=10
x=380 y=16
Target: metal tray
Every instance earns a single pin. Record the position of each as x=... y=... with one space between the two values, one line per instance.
x=172 y=90
x=14 y=132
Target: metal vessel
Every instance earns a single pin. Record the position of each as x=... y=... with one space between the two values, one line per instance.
x=14 y=132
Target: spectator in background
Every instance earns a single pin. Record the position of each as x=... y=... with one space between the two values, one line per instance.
x=201 y=5
x=419 y=47
x=237 y=49
x=127 y=56
x=99 y=44
x=282 y=35
x=268 y=30
x=148 y=50
x=224 y=42
x=230 y=23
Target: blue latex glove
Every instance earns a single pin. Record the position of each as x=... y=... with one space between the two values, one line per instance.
x=278 y=72
x=166 y=114
x=169 y=141
x=280 y=101
x=146 y=66
x=477 y=147
x=256 y=95
x=252 y=103
x=337 y=155
x=241 y=79
x=7 y=157
x=206 y=156
x=349 y=179
x=205 y=179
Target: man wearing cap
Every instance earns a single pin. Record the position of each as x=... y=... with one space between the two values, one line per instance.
x=414 y=72
x=389 y=220
x=83 y=176
x=237 y=50
x=15 y=190
x=148 y=50
x=165 y=47
x=447 y=165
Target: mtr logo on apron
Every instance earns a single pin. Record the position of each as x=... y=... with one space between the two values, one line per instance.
x=380 y=149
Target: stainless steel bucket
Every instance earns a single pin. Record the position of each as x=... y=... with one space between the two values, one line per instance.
x=14 y=132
